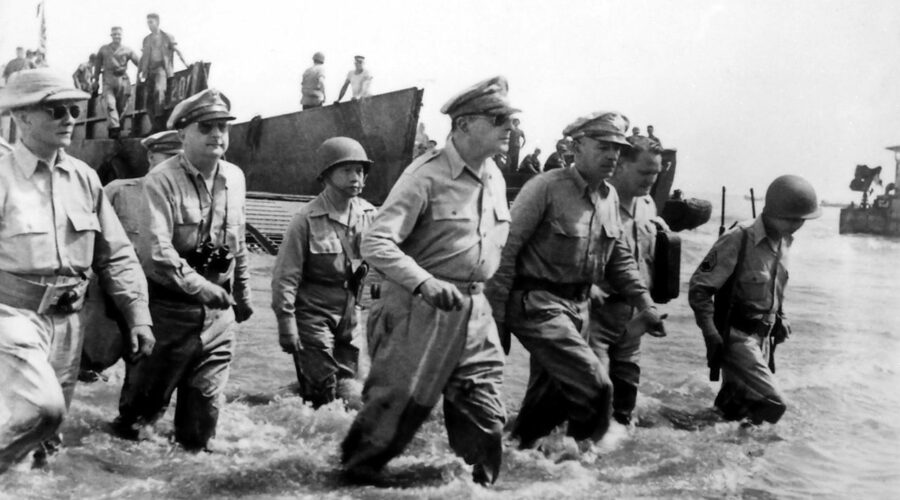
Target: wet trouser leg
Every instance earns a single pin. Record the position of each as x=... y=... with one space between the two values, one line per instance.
x=197 y=408
x=425 y=352
x=116 y=91
x=748 y=386
x=192 y=353
x=620 y=352
x=567 y=381
x=150 y=382
x=32 y=404
x=326 y=319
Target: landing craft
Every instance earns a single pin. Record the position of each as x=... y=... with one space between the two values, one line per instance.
x=879 y=216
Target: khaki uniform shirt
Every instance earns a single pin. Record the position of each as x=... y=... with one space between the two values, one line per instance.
x=58 y=221
x=180 y=213
x=443 y=219
x=157 y=52
x=113 y=61
x=639 y=232
x=564 y=233
x=760 y=282
x=125 y=196
x=312 y=85
x=313 y=251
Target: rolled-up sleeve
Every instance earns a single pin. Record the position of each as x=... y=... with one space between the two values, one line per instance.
x=395 y=220
x=527 y=212
x=288 y=274
x=117 y=265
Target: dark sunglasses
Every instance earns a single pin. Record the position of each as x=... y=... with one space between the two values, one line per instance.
x=497 y=120
x=60 y=111
x=207 y=127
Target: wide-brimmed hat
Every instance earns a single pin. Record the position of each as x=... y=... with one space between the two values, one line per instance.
x=38 y=86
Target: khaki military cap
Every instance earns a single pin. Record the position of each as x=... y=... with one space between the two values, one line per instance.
x=609 y=126
x=209 y=104
x=485 y=97
x=163 y=142
x=38 y=86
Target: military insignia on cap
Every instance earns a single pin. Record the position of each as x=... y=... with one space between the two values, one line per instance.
x=709 y=263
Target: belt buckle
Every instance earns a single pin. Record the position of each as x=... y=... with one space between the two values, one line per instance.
x=50 y=298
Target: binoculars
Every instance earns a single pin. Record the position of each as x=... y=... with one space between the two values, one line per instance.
x=209 y=258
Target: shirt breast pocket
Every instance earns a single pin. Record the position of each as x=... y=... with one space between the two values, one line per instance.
x=186 y=230
x=451 y=212
x=570 y=241
x=755 y=288
x=85 y=226
x=325 y=246
x=21 y=224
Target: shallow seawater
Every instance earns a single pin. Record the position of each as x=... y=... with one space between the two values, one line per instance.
x=839 y=439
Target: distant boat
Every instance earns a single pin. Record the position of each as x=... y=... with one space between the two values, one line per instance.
x=757 y=198
x=836 y=204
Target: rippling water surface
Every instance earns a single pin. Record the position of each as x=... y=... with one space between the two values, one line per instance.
x=839 y=439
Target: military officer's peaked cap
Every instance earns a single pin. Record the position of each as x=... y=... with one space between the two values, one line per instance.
x=38 y=86
x=608 y=126
x=485 y=97
x=209 y=104
x=166 y=141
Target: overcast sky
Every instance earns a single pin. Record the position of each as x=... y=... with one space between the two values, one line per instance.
x=746 y=90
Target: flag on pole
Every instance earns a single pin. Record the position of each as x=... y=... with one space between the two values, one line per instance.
x=42 y=41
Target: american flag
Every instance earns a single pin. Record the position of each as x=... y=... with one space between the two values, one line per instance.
x=42 y=43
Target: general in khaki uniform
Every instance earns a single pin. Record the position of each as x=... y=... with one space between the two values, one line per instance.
x=318 y=273
x=437 y=239
x=751 y=262
x=56 y=226
x=195 y=257
x=103 y=323
x=565 y=236
x=618 y=348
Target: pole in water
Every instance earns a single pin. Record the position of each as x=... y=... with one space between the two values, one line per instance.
x=722 y=223
x=752 y=203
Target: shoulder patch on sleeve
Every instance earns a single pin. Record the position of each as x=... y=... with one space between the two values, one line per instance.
x=709 y=263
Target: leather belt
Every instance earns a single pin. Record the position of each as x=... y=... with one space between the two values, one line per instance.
x=571 y=291
x=64 y=295
x=756 y=326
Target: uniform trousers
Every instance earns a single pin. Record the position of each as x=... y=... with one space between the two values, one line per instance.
x=567 y=381
x=155 y=88
x=326 y=321
x=192 y=354
x=116 y=91
x=748 y=385
x=420 y=353
x=39 y=358
x=620 y=352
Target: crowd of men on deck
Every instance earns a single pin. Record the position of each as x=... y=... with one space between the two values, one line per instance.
x=567 y=269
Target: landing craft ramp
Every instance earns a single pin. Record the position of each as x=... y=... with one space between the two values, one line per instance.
x=278 y=154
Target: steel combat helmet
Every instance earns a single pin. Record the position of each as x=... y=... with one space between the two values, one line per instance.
x=792 y=197
x=338 y=151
